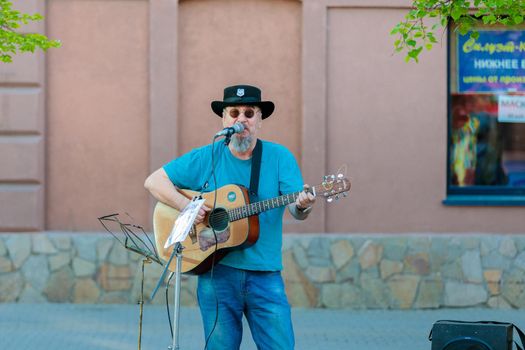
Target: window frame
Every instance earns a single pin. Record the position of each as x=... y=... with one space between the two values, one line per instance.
x=480 y=195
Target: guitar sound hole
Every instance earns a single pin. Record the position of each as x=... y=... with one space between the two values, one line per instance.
x=219 y=219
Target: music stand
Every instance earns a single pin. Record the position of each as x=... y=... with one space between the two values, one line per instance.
x=137 y=245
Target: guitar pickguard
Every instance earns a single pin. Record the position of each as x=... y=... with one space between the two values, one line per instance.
x=207 y=238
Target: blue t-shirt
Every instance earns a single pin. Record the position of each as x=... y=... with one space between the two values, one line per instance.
x=279 y=175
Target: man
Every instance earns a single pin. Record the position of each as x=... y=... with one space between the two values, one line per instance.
x=246 y=281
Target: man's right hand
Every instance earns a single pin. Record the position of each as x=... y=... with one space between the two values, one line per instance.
x=203 y=211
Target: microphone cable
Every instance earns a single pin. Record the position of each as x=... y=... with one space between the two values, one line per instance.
x=167 y=303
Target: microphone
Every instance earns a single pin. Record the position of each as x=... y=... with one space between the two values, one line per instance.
x=228 y=132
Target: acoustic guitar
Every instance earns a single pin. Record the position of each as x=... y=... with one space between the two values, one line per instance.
x=232 y=224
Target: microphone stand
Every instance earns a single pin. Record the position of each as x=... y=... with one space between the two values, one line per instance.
x=141 y=302
x=177 y=252
x=176 y=316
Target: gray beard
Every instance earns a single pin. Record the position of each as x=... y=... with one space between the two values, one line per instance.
x=241 y=144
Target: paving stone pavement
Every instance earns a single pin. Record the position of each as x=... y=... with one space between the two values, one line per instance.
x=79 y=327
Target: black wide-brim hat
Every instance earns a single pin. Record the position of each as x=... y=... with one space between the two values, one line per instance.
x=243 y=95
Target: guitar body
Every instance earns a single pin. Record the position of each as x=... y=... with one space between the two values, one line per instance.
x=199 y=245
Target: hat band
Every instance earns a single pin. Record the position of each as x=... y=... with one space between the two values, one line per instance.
x=240 y=99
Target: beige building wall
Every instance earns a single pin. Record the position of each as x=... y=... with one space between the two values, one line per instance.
x=390 y=116
x=131 y=87
x=22 y=136
x=97 y=117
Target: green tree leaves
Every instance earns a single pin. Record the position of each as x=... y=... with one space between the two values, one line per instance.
x=413 y=34
x=13 y=42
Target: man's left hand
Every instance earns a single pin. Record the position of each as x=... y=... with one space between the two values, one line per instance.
x=305 y=199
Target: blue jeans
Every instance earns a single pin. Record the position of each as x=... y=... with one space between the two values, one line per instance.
x=258 y=295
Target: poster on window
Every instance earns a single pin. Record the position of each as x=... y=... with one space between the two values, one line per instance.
x=511 y=109
x=495 y=62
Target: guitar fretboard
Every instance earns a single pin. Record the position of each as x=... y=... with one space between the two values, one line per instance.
x=258 y=207
x=267 y=204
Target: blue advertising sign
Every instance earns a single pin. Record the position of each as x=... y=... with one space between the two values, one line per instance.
x=495 y=62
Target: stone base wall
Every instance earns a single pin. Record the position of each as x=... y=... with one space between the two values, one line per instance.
x=326 y=270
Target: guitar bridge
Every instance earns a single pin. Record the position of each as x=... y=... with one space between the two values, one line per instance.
x=193 y=234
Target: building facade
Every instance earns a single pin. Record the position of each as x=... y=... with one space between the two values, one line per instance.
x=130 y=88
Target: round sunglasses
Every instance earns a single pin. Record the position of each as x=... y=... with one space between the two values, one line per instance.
x=248 y=112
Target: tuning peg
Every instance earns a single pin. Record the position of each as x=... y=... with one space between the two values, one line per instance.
x=330 y=199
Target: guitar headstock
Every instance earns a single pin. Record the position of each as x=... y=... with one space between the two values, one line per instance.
x=332 y=187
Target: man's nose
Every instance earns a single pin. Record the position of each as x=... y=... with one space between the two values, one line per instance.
x=242 y=118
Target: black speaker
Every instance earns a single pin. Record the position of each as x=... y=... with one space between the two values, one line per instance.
x=458 y=335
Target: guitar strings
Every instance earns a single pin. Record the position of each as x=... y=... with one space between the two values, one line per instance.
x=253 y=207
x=257 y=207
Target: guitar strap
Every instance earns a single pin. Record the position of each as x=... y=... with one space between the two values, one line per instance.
x=256 y=169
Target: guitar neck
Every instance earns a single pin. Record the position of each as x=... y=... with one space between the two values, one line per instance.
x=332 y=186
x=258 y=207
